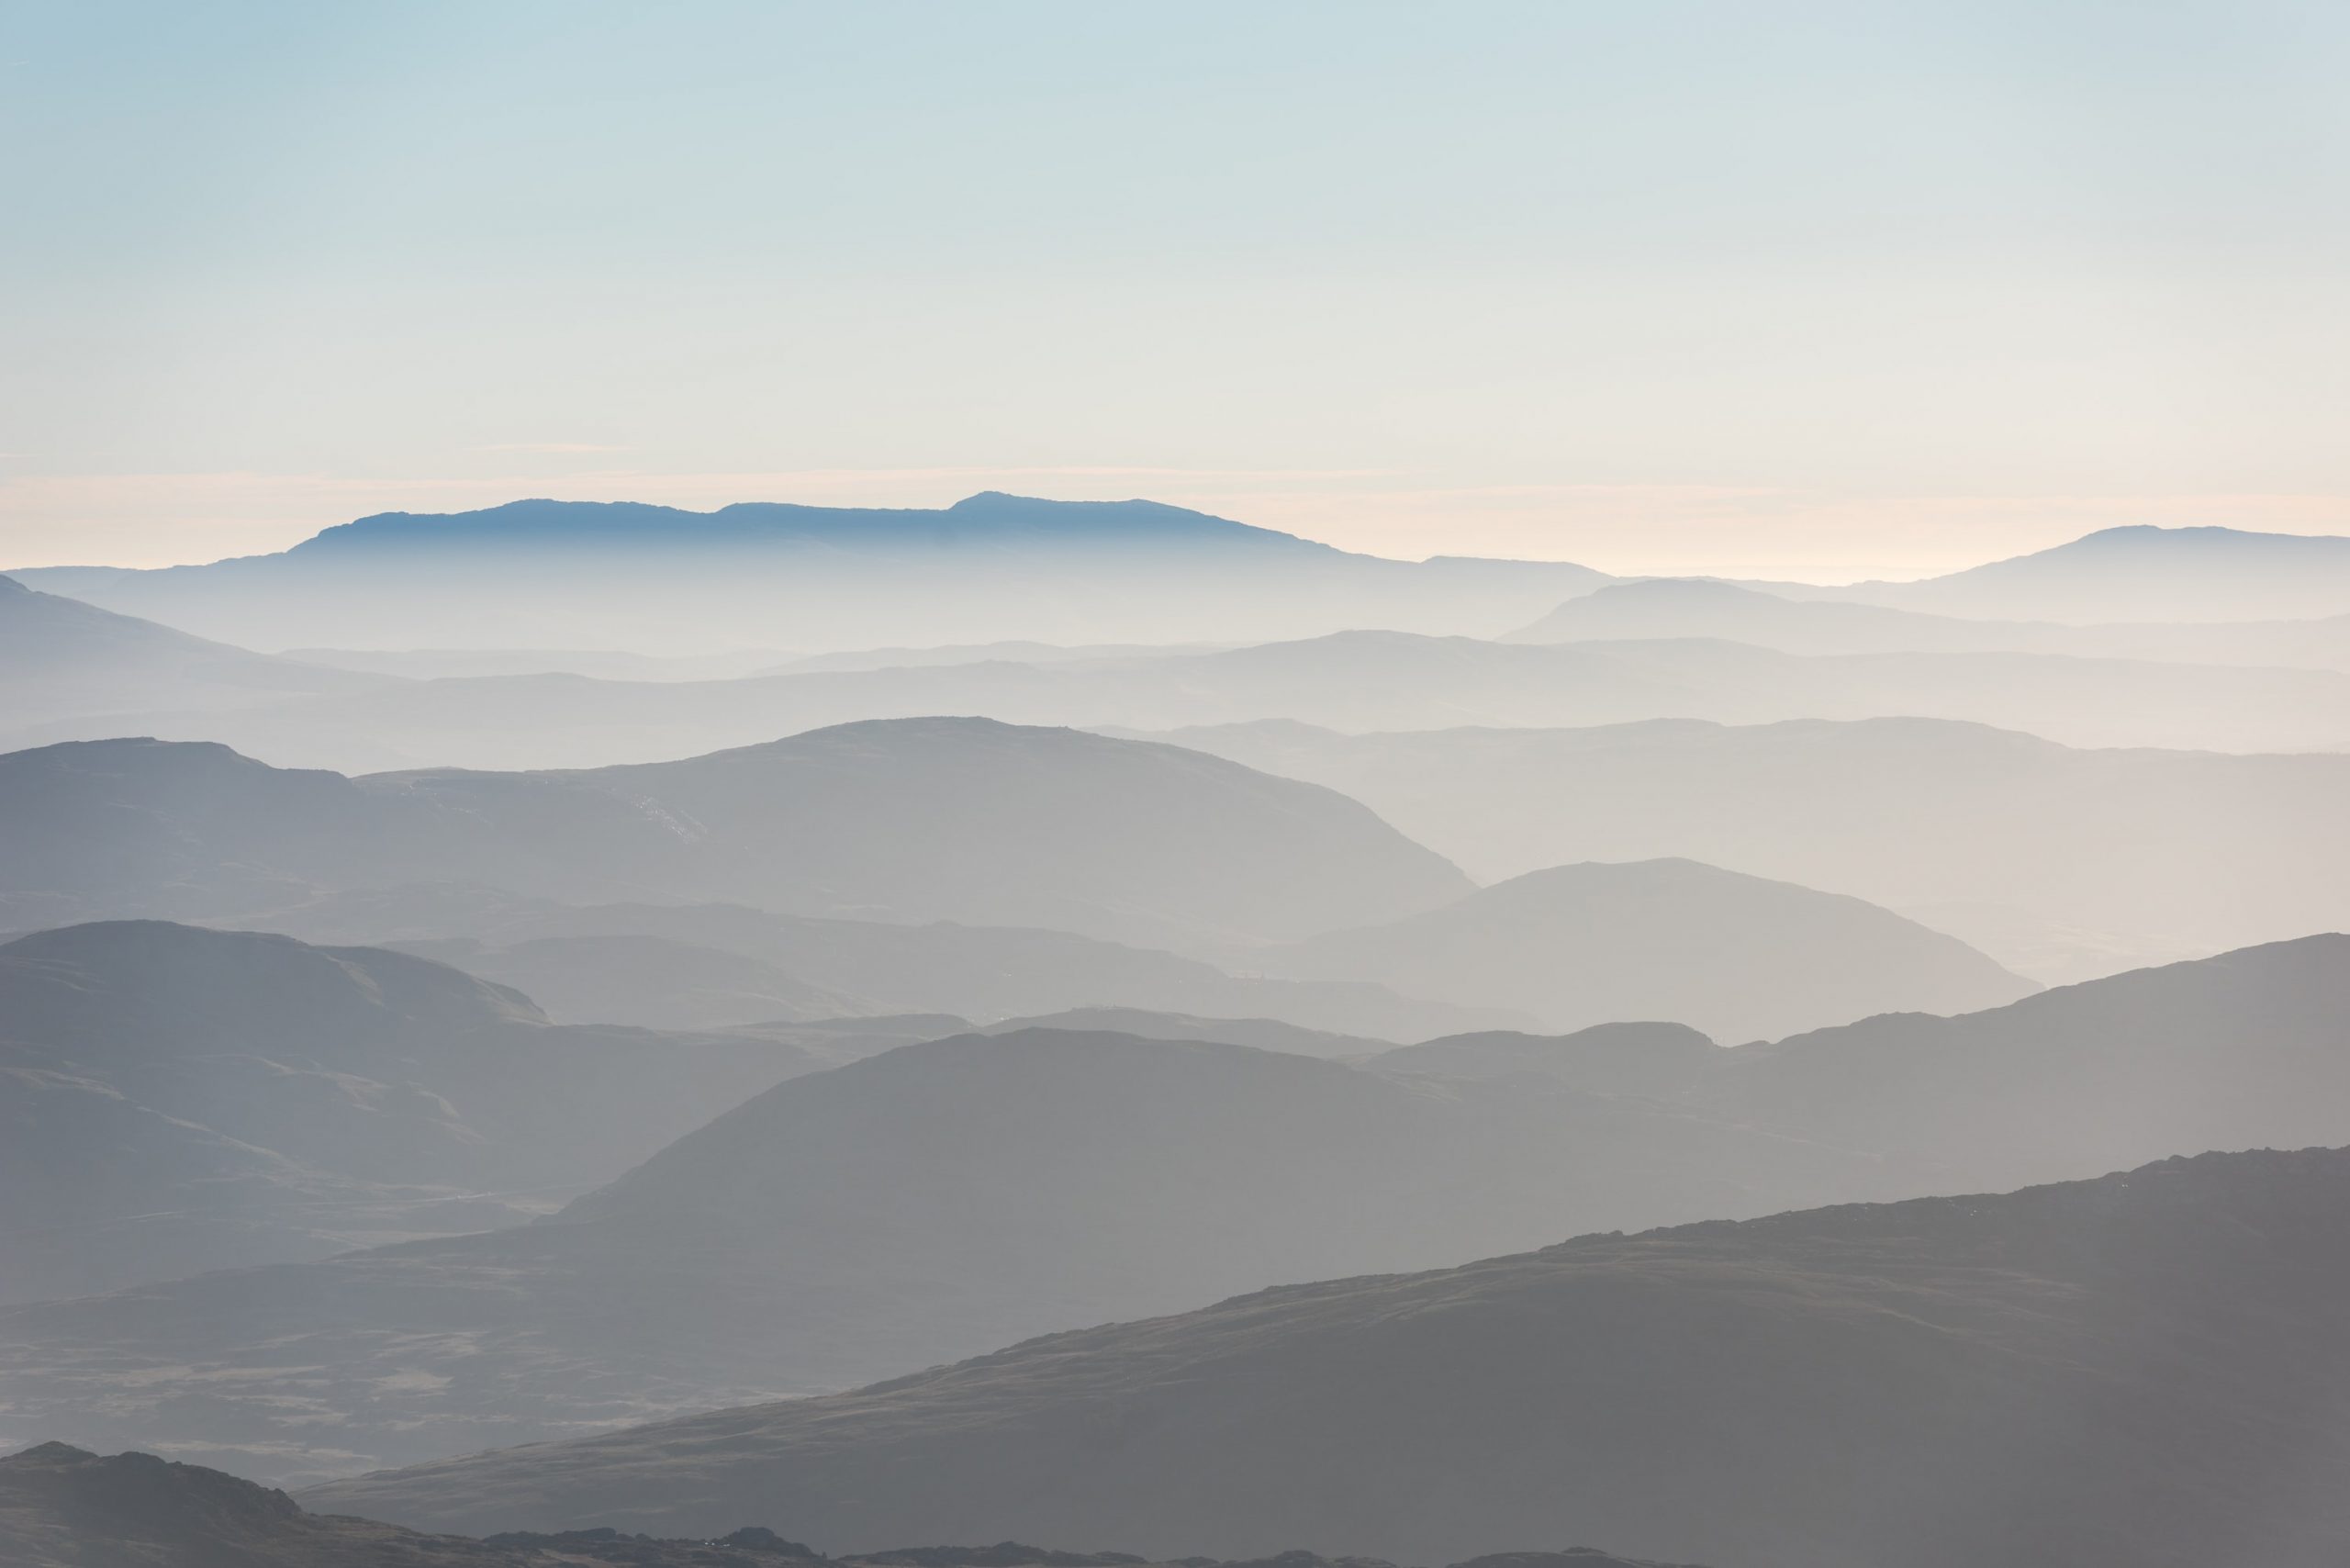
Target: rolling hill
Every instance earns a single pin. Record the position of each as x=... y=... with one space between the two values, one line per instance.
x=938 y=1199
x=176 y=1098
x=2062 y=864
x=661 y=973
x=907 y=820
x=2142 y=573
x=916 y=1207
x=1737 y=956
x=2146 y=1368
x=62 y=659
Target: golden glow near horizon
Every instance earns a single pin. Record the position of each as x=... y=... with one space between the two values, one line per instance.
x=174 y=519
x=1813 y=293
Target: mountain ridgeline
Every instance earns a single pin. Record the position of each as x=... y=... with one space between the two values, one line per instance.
x=179 y=1099
x=908 y=820
x=988 y=567
x=2062 y=864
x=2149 y=1367
x=744 y=1039
x=939 y=1199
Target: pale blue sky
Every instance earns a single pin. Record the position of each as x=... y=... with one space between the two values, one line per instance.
x=1831 y=288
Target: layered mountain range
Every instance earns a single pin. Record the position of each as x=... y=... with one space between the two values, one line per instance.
x=764 y=575
x=178 y=1099
x=907 y=821
x=1090 y=1023
x=1346 y=641
x=2062 y=863
x=2148 y=1367
x=1351 y=680
x=936 y=1200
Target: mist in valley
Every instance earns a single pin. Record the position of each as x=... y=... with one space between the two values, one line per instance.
x=1064 y=788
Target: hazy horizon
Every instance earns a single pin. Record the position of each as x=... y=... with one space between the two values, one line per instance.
x=1829 y=293
x=1319 y=785
x=704 y=507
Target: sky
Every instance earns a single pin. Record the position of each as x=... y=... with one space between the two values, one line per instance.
x=1811 y=290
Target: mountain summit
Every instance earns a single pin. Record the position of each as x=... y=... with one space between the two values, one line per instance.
x=989 y=521
x=2144 y=573
x=548 y=573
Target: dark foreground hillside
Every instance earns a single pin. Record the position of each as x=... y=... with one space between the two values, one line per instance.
x=2151 y=1367
x=65 y=1508
x=940 y=1200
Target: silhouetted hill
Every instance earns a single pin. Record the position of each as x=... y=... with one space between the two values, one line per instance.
x=919 y=819
x=572 y=574
x=2062 y=864
x=987 y=521
x=64 y=1507
x=2237 y=1051
x=943 y=1197
x=912 y=1207
x=176 y=1098
x=2149 y=1368
x=61 y=658
x=2144 y=573
x=1737 y=956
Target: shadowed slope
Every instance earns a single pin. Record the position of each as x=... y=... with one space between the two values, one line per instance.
x=2150 y=1368
x=917 y=1205
x=943 y=1197
x=176 y=1098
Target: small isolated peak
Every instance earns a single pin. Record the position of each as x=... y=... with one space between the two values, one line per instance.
x=50 y=1453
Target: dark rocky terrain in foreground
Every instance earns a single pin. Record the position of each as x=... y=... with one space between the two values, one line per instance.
x=66 y=1508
